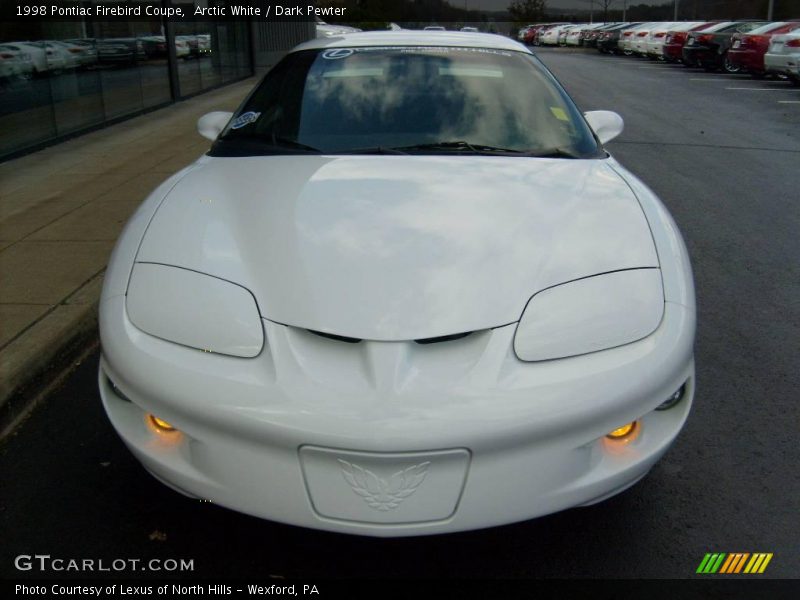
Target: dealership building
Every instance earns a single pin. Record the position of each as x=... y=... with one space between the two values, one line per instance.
x=61 y=78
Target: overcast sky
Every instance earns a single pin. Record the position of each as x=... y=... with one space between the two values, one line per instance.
x=502 y=4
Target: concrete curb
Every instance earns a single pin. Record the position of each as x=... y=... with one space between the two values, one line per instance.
x=36 y=362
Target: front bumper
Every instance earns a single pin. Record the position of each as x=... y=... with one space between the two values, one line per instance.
x=494 y=440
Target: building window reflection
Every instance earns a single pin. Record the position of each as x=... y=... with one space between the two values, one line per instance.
x=59 y=78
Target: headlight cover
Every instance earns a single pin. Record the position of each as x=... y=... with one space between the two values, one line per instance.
x=193 y=309
x=591 y=314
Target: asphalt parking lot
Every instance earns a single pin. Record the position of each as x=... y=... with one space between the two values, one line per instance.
x=723 y=153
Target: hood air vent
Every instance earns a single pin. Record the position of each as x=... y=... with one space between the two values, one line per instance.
x=433 y=340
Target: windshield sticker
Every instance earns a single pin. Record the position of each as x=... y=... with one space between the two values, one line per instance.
x=363 y=72
x=559 y=113
x=245 y=119
x=337 y=53
x=470 y=72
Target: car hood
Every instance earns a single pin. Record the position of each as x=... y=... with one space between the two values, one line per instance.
x=399 y=247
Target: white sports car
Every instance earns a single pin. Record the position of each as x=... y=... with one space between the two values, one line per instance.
x=406 y=292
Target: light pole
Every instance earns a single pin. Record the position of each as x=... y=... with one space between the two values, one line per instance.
x=769 y=9
x=677 y=2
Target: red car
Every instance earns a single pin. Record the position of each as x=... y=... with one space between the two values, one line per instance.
x=673 y=43
x=530 y=34
x=748 y=49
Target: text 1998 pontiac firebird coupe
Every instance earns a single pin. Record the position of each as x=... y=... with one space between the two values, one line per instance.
x=406 y=292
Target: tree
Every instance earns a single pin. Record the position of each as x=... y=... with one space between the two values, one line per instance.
x=528 y=11
x=603 y=5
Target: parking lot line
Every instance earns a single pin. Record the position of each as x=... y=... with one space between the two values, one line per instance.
x=788 y=101
x=762 y=89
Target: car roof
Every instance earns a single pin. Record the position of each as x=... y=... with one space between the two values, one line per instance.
x=415 y=38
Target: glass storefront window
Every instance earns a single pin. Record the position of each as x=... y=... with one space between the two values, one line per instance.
x=58 y=78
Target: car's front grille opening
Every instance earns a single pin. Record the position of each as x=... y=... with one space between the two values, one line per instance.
x=338 y=338
x=444 y=338
x=424 y=341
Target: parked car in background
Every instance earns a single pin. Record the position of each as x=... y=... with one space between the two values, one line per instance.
x=748 y=49
x=676 y=38
x=326 y=30
x=192 y=42
x=565 y=31
x=589 y=37
x=523 y=31
x=783 y=56
x=204 y=43
x=434 y=28
x=709 y=48
x=120 y=50
x=75 y=55
x=608 y=41
x=34 y=54
x=155 y=46
x=539 y=33
x=550 y=36
x=654 y=45
x=576 y=35
x=88 y=56
x=469 y=29
x=638 y=44
x=628 y=36
x=531 y=33
x=15 y=63
x=182 y=49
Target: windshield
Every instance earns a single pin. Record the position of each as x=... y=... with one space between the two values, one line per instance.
x=409 y=99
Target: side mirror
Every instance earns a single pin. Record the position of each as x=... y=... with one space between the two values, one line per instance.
x=605 y=123
x=211 y=124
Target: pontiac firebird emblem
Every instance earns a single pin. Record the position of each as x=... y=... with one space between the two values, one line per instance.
x=379 y=493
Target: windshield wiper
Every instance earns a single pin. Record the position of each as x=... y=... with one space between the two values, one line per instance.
x=552 y=153
x=371 y=150
x=460 y=146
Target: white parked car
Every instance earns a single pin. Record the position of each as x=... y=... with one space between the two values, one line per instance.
x=654 y=40
x=74 y=55
x=521 y=33
x=325 y=30
x=783 y=56
x=379 y=315
x=204 y=43
x=572 y=36
x=43 y=59
x=182 y=48
x=638 y=44
x=551 y=36
x=629 y=36
x=15 y=63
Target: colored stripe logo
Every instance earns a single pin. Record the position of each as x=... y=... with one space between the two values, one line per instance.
x=734 y=563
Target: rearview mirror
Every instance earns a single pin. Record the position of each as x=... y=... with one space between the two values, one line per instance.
x=211 y=124
x=605 y=123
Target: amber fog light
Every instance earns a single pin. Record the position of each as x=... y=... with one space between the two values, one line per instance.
x=624 y=432
x=160 y=425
